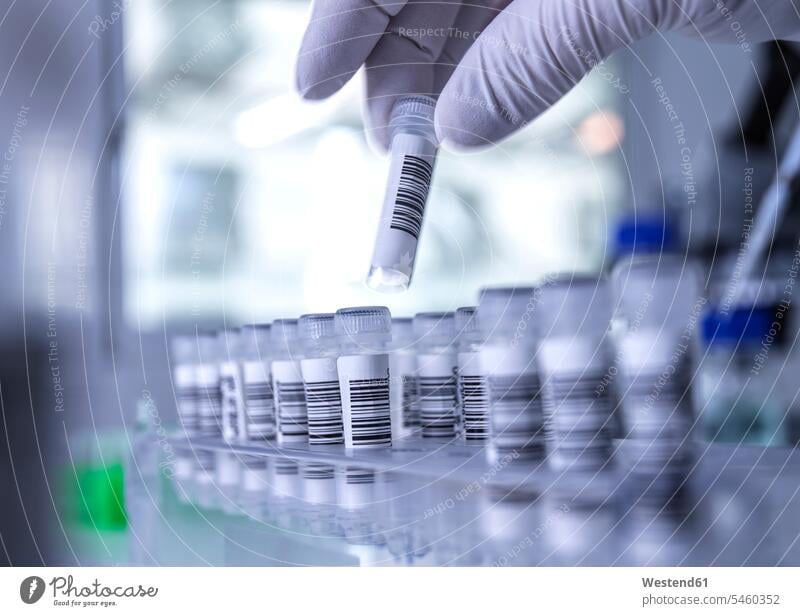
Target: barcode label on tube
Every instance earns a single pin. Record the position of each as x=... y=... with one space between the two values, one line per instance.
x=412 y=192
x=437 y=392
x=290 y=401
x=323 y=401
x=259 y=403
x=364 y=384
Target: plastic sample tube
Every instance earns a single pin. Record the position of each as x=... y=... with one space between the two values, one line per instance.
x=257 y=423
x=508 y=359
x=321 y=379
x=209 y=398
x=363 y=366
x=659 y=300
x=575 y=365
x=403 y=386
x=287 y=383
x=184 y=360
x=436 y=373
x=413 y=154
x=230 y=382
x=473 y=389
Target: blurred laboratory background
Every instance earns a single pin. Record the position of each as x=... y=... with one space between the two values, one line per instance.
x=160 y=175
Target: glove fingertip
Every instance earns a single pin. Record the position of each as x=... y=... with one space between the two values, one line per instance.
x=463 y=123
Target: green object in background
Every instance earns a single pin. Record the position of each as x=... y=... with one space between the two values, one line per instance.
x=96 y=496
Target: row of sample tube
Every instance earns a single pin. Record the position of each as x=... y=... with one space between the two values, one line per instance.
x=558 y=371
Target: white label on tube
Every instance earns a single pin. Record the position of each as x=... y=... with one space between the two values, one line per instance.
x=258 y=421
x=576 y=402
x=410 y=174
x=323 y=401
x=230 y=386
x=403 y=391
x=516 y=411
x=473 y=391
x=209 y=404
x=186 y=395
x=290 y=401
x=436 y=385
x=364 y=384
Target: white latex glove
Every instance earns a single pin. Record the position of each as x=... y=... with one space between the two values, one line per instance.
x=499 y=65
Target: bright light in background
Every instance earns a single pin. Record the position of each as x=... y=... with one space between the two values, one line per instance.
x=279 y=118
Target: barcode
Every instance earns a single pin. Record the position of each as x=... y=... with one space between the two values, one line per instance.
x=410 y=403
x=577 y=412
x=227 y=386
x=412 y=191
x=187 y=407
x=437 y=405
x=209 y=410
x=658 y=403
x=260 y=410
x=475 y=405
x=292 y=413
x=369 y=411
x=516 y=415
x=324 y=404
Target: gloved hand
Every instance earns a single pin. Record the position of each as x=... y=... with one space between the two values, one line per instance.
x=497 y=66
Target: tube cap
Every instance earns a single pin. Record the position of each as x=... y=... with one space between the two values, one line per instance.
x=255 y=339
x=413 y=107
x=434 y=328
x=313 y=327
x=574 y=305
x=403 y=331
x=507 y=312
x=183 y=348
x=283 y=330
x=467 y=323
x=208 y=343
x=363 y=320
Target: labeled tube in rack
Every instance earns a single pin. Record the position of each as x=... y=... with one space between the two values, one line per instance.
x=413 y=154
x=320 y=379
x=230 y=382
x=403 y=386
x=363 y=367
x=436 y=373
x=508 y=359
x=257 y=423
x=473 y=390
x=575 y=365
x=287 y=383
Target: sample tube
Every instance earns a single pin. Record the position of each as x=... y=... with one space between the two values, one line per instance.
x=413 y=153
x=507 y=358
x=473 y=390
x=230 y=382
x=209 y=398
x=320 y=379
x=287 y=383
x=436 y=373
x=363 y=366
x=184 y=360
x=257 y=423
x=575 y=365
x=403 y=386
x=659 y=300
